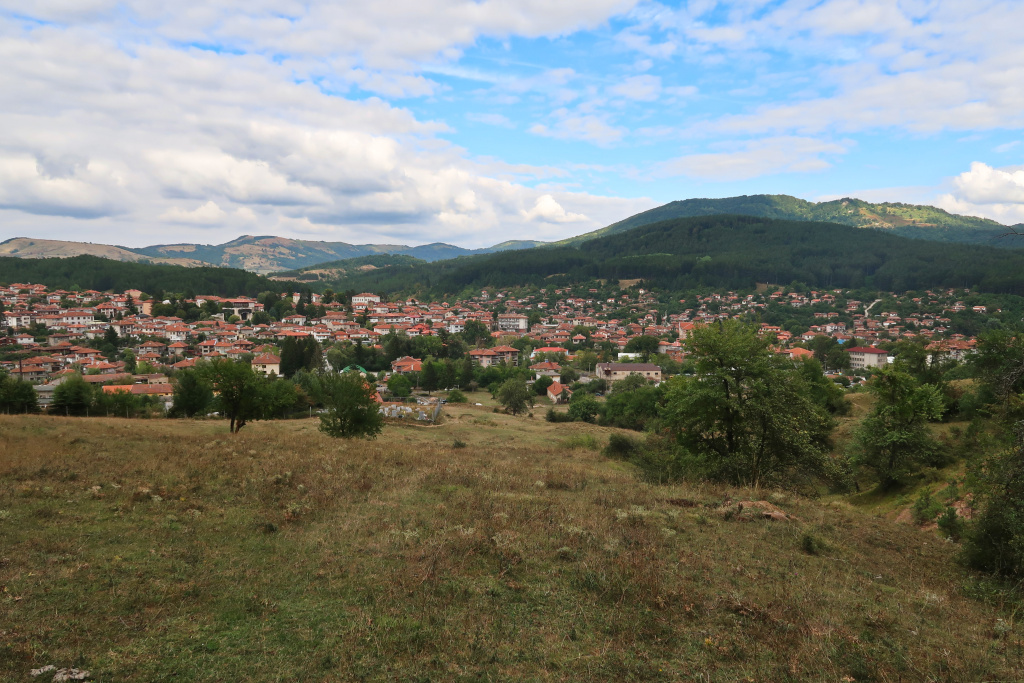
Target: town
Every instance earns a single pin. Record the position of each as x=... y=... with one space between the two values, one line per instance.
x=134 y=342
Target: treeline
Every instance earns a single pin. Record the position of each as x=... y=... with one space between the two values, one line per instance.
x=732 y=252
x=93 y=272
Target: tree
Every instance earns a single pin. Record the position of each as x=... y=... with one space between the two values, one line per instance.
x=644 y=345
x=193 y=393
x=586 y=360
x=73 y=396
x=540 y=386
x=239 y=391
x=745 y=416
x=476 y=332
x=399 y=385
x=17 y=396
x=110 y=337
x=515 y=396
x=893 y=439
x=352 y=408
x=429 y=376
x=583 y=408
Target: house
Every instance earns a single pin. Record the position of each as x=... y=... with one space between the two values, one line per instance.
x=513 y=322
x=548 y=369
x=559 y=393
x=614 y=372
x=406 y=365
x=484 y=357
x=506 y=354
x=365 y=300
x=267 y=363
x=867 y=357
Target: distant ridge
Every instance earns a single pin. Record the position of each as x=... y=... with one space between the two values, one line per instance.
x=905 y=220
x=266 y=254
x=259 y=254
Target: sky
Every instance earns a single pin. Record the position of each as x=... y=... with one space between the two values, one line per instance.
x=139 y=122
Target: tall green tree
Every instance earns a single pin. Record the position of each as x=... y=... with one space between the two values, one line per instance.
x=352 y=408
x=893 y=439
x=193 y=393
x=429 y=376
x=515 y=396
x=16 y=396
x=73 y=396
x=745 y=415
x=239 y=391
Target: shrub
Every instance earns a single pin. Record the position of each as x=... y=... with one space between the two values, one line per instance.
x=951 y=524
x=925 y=508
x=456 y=396
x=620 y=447
x=555 y=416
x=458 y=443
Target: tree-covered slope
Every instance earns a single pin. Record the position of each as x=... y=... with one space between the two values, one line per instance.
x=906 y=220
x=92 y=272
x=724 y=251
x=337 y=272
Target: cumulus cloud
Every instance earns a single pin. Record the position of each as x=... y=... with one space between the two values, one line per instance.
x=548 y=210
x=996 y=193
x=142 y=127
x=754 y=159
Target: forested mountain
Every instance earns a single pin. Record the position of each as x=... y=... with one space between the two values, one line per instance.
x=906 y=220
x=723 y=251
x=92 y=272
x=264 y=254
x=336 y=272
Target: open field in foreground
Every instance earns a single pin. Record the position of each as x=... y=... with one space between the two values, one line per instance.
x=162 y=550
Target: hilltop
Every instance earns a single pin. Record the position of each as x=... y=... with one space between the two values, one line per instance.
x=729 y=251
x=905 y=220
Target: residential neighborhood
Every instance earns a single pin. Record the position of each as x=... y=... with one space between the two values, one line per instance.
x=128 y=339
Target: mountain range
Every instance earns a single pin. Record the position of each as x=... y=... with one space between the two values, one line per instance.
x=269 y=254
x=258 y=254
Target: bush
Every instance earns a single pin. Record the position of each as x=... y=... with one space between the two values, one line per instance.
x=951 y=524
x=925 y=508
x=555 y=416
x=456 y=396
x=621 y=447
x=458 y=443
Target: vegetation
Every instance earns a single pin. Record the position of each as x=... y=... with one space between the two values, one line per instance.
x=746 y=415
x=93 y=272
x=160 y=549
x=352 y=409
x=906 y=220
x=724 y=252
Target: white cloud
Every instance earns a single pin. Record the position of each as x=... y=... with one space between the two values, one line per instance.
x=106 y=120
x=644 y=88
x=549 y=210
x=573 y=125
x=754 y=159
x=987 y=192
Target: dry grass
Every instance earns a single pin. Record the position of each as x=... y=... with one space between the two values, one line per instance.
x=158 y=550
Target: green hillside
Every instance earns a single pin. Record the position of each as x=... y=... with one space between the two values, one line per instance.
x=906 y=220
x=724 y=251
x=93 y=272
x=336 y=272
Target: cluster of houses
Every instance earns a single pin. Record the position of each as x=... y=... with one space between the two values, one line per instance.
x=58 y=330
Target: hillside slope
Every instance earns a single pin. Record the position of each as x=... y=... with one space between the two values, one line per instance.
x=728 y=251
x=258 y=254
x=170 y=551
x=905 y=220
x=31 y=248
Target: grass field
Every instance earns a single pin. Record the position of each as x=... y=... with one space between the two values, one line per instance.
x=156 y=550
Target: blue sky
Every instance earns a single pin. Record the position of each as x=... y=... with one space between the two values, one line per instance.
x=136 y=122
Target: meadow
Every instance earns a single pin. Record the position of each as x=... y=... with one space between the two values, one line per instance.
x=485 y=548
